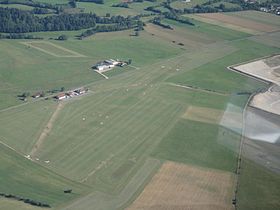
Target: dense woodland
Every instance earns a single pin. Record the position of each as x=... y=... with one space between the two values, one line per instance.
x=18 y=21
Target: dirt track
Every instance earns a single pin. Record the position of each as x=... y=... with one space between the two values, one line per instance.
x=178 y=186
x=46 y=130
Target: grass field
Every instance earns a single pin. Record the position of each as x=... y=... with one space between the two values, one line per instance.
x=204 y=76
x=24 y=178
x=108 y=144
x=258 y=185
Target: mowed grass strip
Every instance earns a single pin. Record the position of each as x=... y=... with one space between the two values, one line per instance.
x=52 y=49
x=24 y=178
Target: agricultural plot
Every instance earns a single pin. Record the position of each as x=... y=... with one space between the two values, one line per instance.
x=208 y=151
x=118 y=141
x=204 y=76
x=262 y=17
x=258 y=188
x=24 y=178
x=179 y=186
x=236 y=23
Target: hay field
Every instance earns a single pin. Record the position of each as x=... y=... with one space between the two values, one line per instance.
x=236 y=23
x=179 y=186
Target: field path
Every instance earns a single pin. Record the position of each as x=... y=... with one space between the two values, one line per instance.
x=46 y=130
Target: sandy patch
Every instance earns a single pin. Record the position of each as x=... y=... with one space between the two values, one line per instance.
x=178 y=186
x=268 y=101
x=239 y=22
x=263 y=69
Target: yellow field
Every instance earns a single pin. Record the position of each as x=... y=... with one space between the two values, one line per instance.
x=179 y=186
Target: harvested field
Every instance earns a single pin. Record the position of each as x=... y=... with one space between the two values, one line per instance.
x=271 y=39
x=201 y=114
x=237 y=23
x=179 y=186
x=52 y=49
x=230 y=119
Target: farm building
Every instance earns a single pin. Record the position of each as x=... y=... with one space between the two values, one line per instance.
x=80 y=91
x=106 y=65
x=37 y=95
x=61 y=96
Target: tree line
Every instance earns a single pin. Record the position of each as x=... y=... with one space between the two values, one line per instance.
x=25 y=200
x=19 y=21
x=122 y=24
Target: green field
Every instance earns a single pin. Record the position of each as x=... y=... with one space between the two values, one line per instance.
x=24 y=178
x=108 y=144
x=259 y=185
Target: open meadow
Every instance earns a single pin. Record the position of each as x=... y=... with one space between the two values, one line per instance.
x=153 y=127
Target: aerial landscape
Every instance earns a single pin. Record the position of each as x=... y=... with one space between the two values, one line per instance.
x=139 y=104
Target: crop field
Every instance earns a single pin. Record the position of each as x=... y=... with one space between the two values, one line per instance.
x=179 y=186
x=261 y=17
x=253 y=26
x=158 y=125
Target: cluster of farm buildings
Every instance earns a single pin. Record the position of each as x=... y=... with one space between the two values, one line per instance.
x=64 y=95
x=108 y=65
x=71 y=94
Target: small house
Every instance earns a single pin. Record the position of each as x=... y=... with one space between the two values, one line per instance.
x=36 y=95
x=61 y=96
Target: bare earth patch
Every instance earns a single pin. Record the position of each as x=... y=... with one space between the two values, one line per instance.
x=268 y=70
x=238 y=23
x=263 y=69
x=185 y=187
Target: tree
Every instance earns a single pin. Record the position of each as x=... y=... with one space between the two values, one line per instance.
x=129 y=61
x=108 y=15
x=62 y=89
x=72 y=3
x=136 y=33
x=62 y=37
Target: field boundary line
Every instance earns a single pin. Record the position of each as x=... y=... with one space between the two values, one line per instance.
x=46 y=130
x=198 y=89
x=74 y=54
